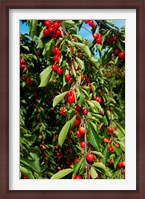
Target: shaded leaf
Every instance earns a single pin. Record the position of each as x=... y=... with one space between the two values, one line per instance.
x=93 y=173
x=58 y=98
x=45 y=76
x=93 y=137
x=63 y=133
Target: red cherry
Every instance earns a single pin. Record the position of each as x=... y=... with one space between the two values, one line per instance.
x=70 y=93
x=107 y=40
x=114 y=38
x=99 y=35
x=25 y=177
x=71 y=99
x=98 y=99
x=82 y=77
x=121 y=55
x=77 y=177
x=56 y=58
x=59 y=71
x=47 y=23
x=51 y=29
x=76 y=160
x=98 y=40
x=56 y=51
x=45 y=32
x=90 y=157
x=110 y=130
x=116 y=51
x=82 y=145
x=78 y=134
x=58 y=33
x=22 y=61
x=54 y=67
x=77 y=122
x=95 y=35
x=110 y=161
x=56 y=25
x=86 y=21
x=110 y=148
x=119 y=165
x=105 y=140
x=52 y=35
x=67 y=77
x=123 y=164
x=42 y=147
x=85 y=111
x=77 y=108
x=82 y=130
x=88 y=80
x=23 y=66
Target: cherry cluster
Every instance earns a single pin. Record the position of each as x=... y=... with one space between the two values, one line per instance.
x=56 y=58
x=52 y=29
x=90 y=23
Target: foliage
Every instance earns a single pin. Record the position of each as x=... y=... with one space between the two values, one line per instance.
x=65 y=87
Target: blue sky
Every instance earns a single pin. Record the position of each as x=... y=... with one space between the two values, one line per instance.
x=84 y=33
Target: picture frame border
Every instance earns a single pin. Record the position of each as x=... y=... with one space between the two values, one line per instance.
x=6 y=5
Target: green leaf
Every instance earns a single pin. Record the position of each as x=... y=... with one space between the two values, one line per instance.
x=117 y=150
x=78 y=165
x=33 y=28
x=80 y=62
x=72 y=120
x=68 y=24
x=93 y=173
x=106 y=154
x=97 y=105
x=98 y=153
x=32 y=164
x=83 y=47
x=93 y=137
x=58 y=98
x=120 y=45
x=27 y=172
x=48 y=48
x=45 y=76
x=63 y=133
x=77 y=36
x=62 y=173
x=116 y=161
x=26 y=48
x=100 y=166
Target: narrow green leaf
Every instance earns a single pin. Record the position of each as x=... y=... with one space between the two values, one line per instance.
x=26 y=48
x=98 y=153
x=32 y=164
x=93 y=137
x=45 y=76
x=83 y=47
x=100 y=166
x=33 y=28
x=48 y=48
x=77 y=36
x=62 y=173
x=78 y=165
x=93 y=173
x=68 y=24
x=80 y=63
x=63 y=133
x=72 y=120
x=105 y=154
x=116 y=161
x=58 y=98
x=97 y=105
